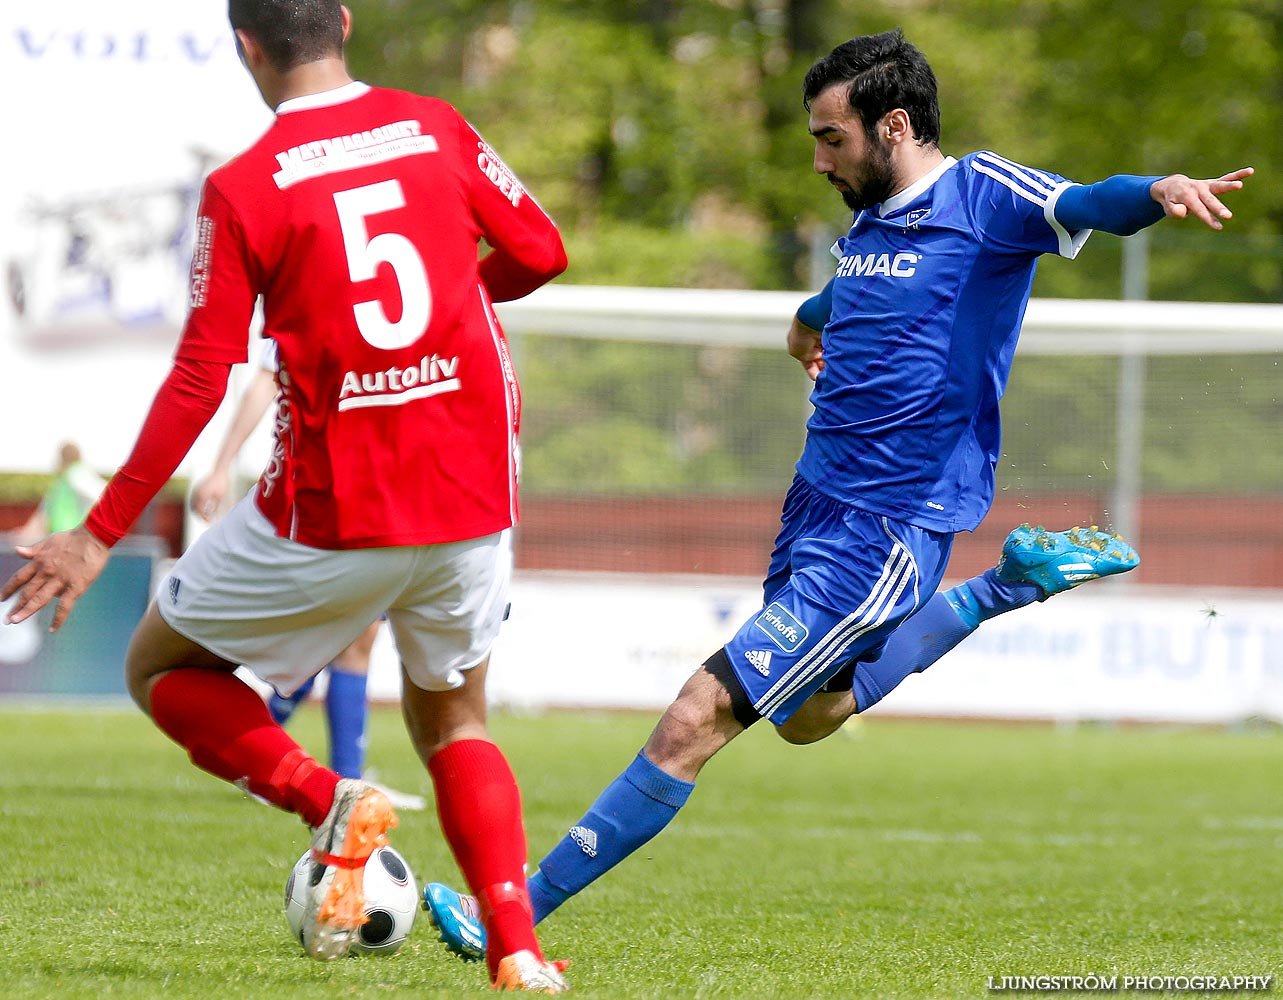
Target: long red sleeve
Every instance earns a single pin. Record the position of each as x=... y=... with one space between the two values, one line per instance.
x=527 y=249
x=507 y=277
x=186 y=401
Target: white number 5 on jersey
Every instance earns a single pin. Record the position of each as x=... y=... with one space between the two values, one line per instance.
x=364 y=255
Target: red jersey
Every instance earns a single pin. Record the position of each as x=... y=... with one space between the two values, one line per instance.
x=357 y=217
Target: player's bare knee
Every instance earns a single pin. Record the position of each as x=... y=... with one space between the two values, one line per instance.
x=156 y=649
x=429 y=741
x=141 y=673
x=435 y=719
x=142 y=664
x=801 y=732
x=695 y=726
x=679 y=745
x=138 y=685
x=683 y=724
x=797 y=735
x=820 y=716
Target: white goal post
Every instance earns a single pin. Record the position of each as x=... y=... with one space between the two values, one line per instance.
x=760 y=319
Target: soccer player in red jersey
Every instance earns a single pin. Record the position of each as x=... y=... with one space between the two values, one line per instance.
x=346 y=706
x=392 y=484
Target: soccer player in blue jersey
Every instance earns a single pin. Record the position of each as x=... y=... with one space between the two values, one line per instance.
x=910 y=346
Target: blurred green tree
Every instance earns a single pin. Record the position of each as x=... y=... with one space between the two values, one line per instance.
x=669 y=140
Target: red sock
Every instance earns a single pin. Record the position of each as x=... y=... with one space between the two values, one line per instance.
x=480 y=809
x=228 y=731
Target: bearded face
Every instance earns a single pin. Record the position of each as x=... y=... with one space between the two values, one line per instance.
x=854 y=160
x=869 y=185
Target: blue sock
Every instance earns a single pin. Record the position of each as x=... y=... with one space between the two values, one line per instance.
x=985 y=596
x=633 y=808
x=944 y=621
x=282 y=706
x=346 y=709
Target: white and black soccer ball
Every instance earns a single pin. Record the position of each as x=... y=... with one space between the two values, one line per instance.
x=391 y=901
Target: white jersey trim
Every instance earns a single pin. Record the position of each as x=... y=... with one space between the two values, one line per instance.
x=1007 y=181
x=1038 y=182
x=1070 y=243
x=325 y=98
x=902 y=198
x=1036 y=187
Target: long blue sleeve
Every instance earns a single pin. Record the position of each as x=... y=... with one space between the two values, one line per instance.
x=1120 y=205
x=814 y=312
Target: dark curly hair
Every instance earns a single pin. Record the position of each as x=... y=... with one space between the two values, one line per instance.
x=883 y=72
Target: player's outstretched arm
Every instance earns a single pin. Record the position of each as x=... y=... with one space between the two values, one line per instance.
x=1125 y=204
x=1181 y=196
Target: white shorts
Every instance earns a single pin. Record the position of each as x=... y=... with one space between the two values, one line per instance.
x=284 y=610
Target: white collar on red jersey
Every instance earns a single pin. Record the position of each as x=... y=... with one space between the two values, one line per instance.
x=339 y=95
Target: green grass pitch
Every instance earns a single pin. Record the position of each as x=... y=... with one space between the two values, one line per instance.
x=897 y=859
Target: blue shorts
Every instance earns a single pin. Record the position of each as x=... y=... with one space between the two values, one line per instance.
x=841 y=581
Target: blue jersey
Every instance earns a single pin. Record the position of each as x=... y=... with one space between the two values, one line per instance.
x=929 y=294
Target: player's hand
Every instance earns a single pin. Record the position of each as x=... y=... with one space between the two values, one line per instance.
x=806 y=345
x=1180 y=196
x=208 y=495
x=61 y=568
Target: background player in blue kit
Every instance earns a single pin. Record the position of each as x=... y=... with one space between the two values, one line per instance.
x=920 y=324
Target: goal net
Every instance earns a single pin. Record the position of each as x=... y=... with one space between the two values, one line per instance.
x=661 y=427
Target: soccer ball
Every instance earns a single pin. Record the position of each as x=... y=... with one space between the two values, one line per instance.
x=391 y=901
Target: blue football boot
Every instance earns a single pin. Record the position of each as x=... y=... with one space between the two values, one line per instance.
x=1057 y=561
x=457 y=918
